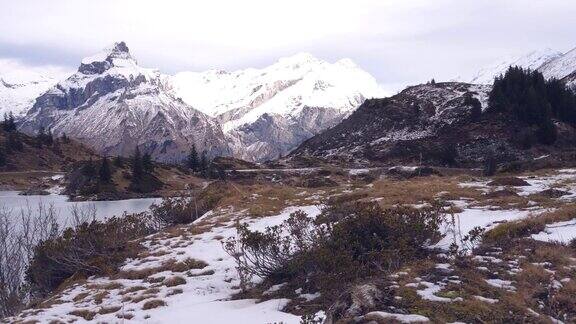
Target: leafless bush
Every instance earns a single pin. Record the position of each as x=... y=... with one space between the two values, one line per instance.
x=19 y=234
x=81 y=215
x=185 y=210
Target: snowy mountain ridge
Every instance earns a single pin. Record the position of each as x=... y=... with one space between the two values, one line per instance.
x=20 y=85
x=114 y=105
x=551 y=63
x=532 y=61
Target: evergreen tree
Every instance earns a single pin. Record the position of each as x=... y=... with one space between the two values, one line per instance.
x=118 y=161
x=40 y=136
x=137 y=165
x=9 y=123
x=547 y=133
x=147 y=163
x=476 y=111
x=89 y=169
x=14 y=143
x=65 y=138
x=490 y=166
x=3 y=158
x=204 y=162
x=105 y=173
x=192 y=161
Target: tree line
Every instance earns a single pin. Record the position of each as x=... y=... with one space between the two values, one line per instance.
x=534 y=101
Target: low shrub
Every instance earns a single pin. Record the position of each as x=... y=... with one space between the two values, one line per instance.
x=345 y=243
x=89 y=249
x=185 y=210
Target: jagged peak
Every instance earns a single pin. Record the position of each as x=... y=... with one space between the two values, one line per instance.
x=115 y=51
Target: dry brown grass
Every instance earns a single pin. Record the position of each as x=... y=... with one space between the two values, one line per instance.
x=531 y=225
x=174 y=281
x=138 y=298
x=99 y=297
x=174 y=292
x=417 y=190
x=132 y=289
x=153 y=304
x=108 y=310
x=168 y=265
x=106 y=286
x=84 y=313
x=127 y=316
x=81 y=296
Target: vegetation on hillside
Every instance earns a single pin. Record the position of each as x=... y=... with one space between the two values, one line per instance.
x=534 y=101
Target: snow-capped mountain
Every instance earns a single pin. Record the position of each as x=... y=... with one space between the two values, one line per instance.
x=20 y=85
x=268 y=112
x=532 y=61
x=114 y=105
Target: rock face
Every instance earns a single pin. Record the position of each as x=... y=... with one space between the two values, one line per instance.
x=426 y=124
x=268 y=112
x=114 y=105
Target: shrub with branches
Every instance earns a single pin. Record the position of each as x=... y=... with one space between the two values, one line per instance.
x=89 y=249
x=185 y=210
x=345 y=243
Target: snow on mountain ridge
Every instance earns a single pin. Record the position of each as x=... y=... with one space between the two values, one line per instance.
x=560 y=67
x=113 y=104
x=20 y=84
x=532 y=61
x=282 y=88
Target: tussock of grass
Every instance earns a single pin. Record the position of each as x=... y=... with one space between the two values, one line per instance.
x=84 y=313
x=153 y=304
x=108 y=310
x=174 y=281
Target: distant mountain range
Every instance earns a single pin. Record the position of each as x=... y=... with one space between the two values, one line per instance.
x=551 y=63
x=114 y=105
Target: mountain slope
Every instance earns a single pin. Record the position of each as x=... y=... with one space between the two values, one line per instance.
x=114 y=105
x=431 y=124
x=532 y=61
x=268 y=112
x=552 y=64
x=20 y=85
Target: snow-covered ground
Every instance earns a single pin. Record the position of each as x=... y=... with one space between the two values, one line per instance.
x=202 y=297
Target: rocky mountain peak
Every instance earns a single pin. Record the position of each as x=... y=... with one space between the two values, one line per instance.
x=116 y=54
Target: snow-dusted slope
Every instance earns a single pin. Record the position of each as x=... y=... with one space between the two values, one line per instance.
x=114 y=105
x=20 y=85
x=268 y=112
x=531 y=61
x=562 y=67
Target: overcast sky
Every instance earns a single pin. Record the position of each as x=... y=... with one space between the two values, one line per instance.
x=397 y=41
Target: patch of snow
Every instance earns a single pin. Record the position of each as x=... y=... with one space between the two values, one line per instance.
x=486 y=300
x=563 y=232
x=403 y=318
x=499 y=283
